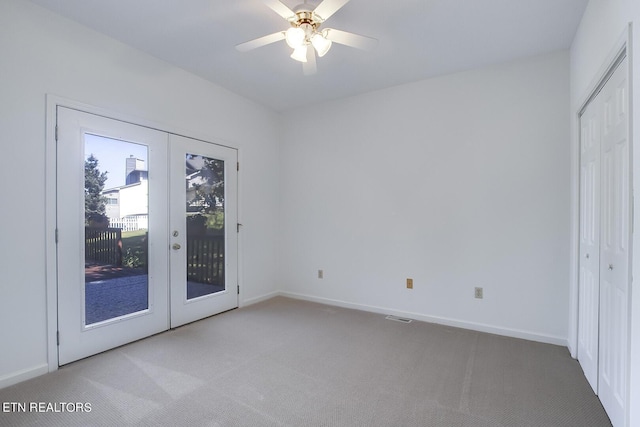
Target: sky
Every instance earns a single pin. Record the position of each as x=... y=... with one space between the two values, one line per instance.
x=112 y=155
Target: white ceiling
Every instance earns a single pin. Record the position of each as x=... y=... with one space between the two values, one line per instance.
x=418 y=39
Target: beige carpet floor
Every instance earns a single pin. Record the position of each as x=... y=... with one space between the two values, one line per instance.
x=285 y=362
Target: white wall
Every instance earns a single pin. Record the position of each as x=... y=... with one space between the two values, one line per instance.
x=603 y=23
x=457 y=182
x=45 y=54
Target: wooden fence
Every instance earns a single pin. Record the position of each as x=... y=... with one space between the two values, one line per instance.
x=205 y=254
x=205 y=259
x=103 y=245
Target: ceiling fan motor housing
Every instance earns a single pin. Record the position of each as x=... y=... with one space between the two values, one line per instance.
x=304 y=15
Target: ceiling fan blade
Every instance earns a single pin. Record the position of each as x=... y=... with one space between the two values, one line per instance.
x=279 y=8
x=259 y=42
x=351 y=39
x=309 y=68
x=328 y=7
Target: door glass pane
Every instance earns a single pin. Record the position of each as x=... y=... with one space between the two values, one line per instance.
x=116 y=228
x=205 y=225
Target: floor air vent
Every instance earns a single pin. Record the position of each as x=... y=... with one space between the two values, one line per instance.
x=399 y=319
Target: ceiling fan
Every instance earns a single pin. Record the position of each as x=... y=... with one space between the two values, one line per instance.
x=305 y=36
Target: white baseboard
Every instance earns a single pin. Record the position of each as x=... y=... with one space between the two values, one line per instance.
x=514 y=333
x=250 y=301
x=23 y=375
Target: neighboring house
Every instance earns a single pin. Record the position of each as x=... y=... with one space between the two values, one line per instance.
x=112 y=205
x=127 y=206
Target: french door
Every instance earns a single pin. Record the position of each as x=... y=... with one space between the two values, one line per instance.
x=203 y=219
x=146 y=232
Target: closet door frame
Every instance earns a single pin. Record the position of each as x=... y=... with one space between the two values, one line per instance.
x=619 y=51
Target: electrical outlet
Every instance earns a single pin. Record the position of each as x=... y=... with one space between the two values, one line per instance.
x=478 y=293
x=409 y=283
x=320 y=274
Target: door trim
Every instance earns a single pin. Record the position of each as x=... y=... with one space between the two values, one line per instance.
x=51 y=273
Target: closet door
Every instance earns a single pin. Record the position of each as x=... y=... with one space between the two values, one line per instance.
x=615 y=240
x=605 y=237
x=589 y=242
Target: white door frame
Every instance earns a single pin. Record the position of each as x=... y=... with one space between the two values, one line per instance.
x=52 y=102
x=620 y=48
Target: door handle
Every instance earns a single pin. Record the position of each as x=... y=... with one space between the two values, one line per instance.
x=176 y=246
x=610 y=266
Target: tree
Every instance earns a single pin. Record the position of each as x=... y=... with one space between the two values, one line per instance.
x=94 y=201
x=205 y=186
x=211 y=192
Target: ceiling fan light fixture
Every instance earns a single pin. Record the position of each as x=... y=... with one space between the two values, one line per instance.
x=295 y=37
x=300 y=53
x=321 y=44
x=304 y=35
